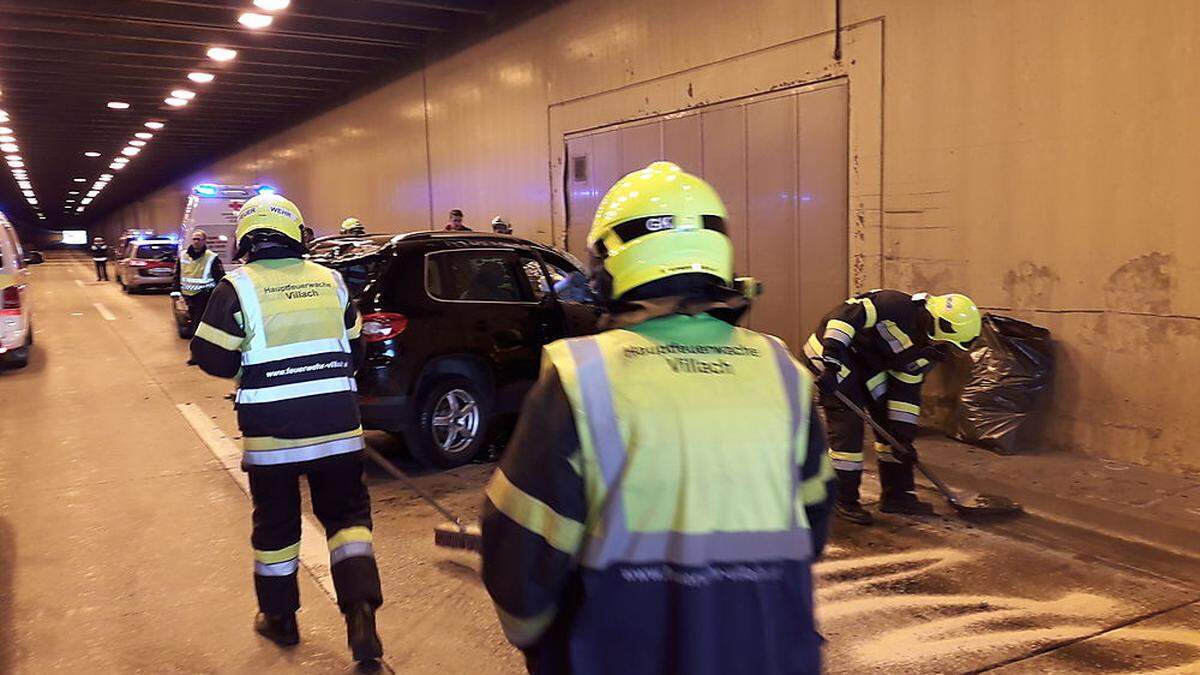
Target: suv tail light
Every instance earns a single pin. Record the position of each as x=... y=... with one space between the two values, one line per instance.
x=383 y=326
x=10 y=300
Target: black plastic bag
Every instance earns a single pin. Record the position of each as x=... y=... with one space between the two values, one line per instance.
x=1011 y=366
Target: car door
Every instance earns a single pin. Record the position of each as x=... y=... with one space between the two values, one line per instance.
x=491 y=305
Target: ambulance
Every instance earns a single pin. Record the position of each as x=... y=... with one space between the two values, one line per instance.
x=214 y=208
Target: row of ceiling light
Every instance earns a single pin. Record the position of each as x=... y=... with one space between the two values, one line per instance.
x=16 y=164
x=178 y=99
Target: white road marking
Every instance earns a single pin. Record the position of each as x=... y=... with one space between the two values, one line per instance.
x=314 y=553
x=108 y=316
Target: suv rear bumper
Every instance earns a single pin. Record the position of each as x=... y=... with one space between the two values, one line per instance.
x=386 y=413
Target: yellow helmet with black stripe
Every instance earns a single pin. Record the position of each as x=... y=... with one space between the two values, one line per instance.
x=659 y=222
x=956 y=319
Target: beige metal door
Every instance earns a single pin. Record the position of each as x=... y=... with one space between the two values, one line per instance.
x=780 y=163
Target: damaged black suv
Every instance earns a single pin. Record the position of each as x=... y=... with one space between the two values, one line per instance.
x=454 y=324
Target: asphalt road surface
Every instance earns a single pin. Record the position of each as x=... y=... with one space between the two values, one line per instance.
x=124 y=543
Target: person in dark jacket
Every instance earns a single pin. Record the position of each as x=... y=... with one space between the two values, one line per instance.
x=875 y=349
x=455 y=224
x=99 y=251
x=288 y=330
x=666 y=490
x=196 y=275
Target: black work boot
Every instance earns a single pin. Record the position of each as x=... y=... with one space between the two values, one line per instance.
x=278 y=628
x=847 y=506
x=360 y=633
x=899 y=491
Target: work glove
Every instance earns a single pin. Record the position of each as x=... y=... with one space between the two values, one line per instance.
x=827 y=380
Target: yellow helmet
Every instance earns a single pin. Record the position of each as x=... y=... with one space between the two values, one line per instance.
x=955 y=319
x=352 y=226
x=270 y=212
x=658 y=222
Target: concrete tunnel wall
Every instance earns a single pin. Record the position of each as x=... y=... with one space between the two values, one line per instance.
x=1039 y=156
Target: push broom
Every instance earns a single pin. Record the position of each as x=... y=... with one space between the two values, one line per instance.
x=450 y=534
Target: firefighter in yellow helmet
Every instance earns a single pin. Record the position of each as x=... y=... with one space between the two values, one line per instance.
x=352 y=226
x=664 y=494
x=287 y=329
x=876 y=349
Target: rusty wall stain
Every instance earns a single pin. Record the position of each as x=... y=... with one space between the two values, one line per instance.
x=1144 y=284
x=1030 y=284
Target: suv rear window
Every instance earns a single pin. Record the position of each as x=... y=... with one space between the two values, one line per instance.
x=156 y=252
x=475 y=276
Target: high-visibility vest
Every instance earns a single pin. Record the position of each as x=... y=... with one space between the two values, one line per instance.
x=690 y=448
x=296 y=345
x=195 y=274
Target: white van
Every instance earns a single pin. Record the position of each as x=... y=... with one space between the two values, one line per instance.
x=214 y=208
x=16 y=329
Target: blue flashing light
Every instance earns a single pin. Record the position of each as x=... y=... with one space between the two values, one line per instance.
x=205 y=190
x=267 y=190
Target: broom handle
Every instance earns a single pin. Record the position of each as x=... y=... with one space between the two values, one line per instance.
x=905 y=451
x=410 y=484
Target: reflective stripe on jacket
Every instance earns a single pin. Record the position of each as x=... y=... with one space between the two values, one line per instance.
x=196 y=274
x=296 y=346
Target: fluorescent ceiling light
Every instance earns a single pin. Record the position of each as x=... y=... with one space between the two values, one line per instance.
x=201 y=78
x=272 y=5
x=116 y=167
x=120 y=160
x=118 y=105
x=154 y=125
x=176 y=102
x=73 y=192
x=130 y=151
x=91 y=153
x=24 y=185
x=254 y=21
x=93 y=193
x=186 y=94
x=16 y=165
x=144 y=135
x=137 y=144
x=79 y=180
x=5 y=130
x=105 y=176
x=15 y=158
x=32 y=201
x=28 y=193
x=10 y=147
x=222 y=54
x=85 y=200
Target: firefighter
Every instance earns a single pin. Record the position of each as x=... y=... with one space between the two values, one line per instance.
x=287 y=329
x=196 y=275
x=352 y=227
x=876 y=349
x=99 y=251
x=665 y=492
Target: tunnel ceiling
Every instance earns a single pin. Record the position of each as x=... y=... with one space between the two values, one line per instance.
x=63 y=61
